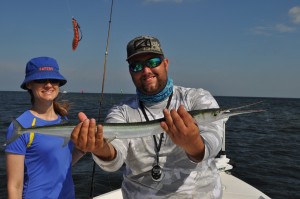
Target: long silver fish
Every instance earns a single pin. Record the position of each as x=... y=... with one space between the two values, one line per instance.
x=131 y=130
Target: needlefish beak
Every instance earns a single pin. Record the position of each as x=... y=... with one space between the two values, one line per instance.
x=231 y=112
x=226 y=113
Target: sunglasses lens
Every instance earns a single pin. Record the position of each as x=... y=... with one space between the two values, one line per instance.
x=151 y=63
x=40 y=81
x=44 y=81
x=54 y=81
x=154 y=62
x=136 y=67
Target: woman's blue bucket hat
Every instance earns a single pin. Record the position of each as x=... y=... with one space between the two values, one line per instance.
x=42 y=68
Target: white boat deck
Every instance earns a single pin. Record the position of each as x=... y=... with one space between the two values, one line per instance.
x=233 y=188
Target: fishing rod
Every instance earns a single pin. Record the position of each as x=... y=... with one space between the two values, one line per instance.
x=102 y=90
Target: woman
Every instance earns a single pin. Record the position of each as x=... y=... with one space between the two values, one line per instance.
x=39 y=166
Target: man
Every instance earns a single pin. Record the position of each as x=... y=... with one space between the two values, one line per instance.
x=176 y=163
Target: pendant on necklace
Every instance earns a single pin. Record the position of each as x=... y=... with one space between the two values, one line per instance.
x=156 y=173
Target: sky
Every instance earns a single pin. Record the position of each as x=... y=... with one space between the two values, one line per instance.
x=247 y=48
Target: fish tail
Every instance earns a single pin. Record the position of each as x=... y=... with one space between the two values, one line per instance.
x=16 y=132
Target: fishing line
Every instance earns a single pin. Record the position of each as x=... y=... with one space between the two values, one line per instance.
x=102 y=90
x=69 y=8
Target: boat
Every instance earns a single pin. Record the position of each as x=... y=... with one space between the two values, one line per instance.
x=233 y=187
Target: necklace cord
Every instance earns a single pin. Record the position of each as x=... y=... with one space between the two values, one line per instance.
x=157 y=146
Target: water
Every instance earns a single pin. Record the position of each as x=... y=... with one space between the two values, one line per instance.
x=263 y=146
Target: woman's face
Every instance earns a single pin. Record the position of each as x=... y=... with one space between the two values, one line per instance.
x=44 y=90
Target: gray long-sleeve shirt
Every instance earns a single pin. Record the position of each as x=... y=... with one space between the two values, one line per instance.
x=183 y=178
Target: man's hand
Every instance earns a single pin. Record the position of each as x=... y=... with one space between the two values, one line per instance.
x=182 y=129
x=88 y=137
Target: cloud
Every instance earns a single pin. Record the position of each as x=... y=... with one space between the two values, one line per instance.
x=283 y=28
x=262 y=30
x=294 y=13
x=269 y=30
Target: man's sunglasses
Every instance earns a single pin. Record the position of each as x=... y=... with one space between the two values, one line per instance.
x=151 y=63
x=44 y=81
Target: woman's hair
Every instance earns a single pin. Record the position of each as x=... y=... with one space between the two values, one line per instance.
x=59 y=108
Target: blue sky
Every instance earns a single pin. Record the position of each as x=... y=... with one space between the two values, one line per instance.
x=229 y=47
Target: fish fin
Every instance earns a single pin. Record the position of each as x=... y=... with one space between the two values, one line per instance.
x=64 y=121
x=66 y=141
x=16 y=127
x=109 y=140
x=13 y=138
